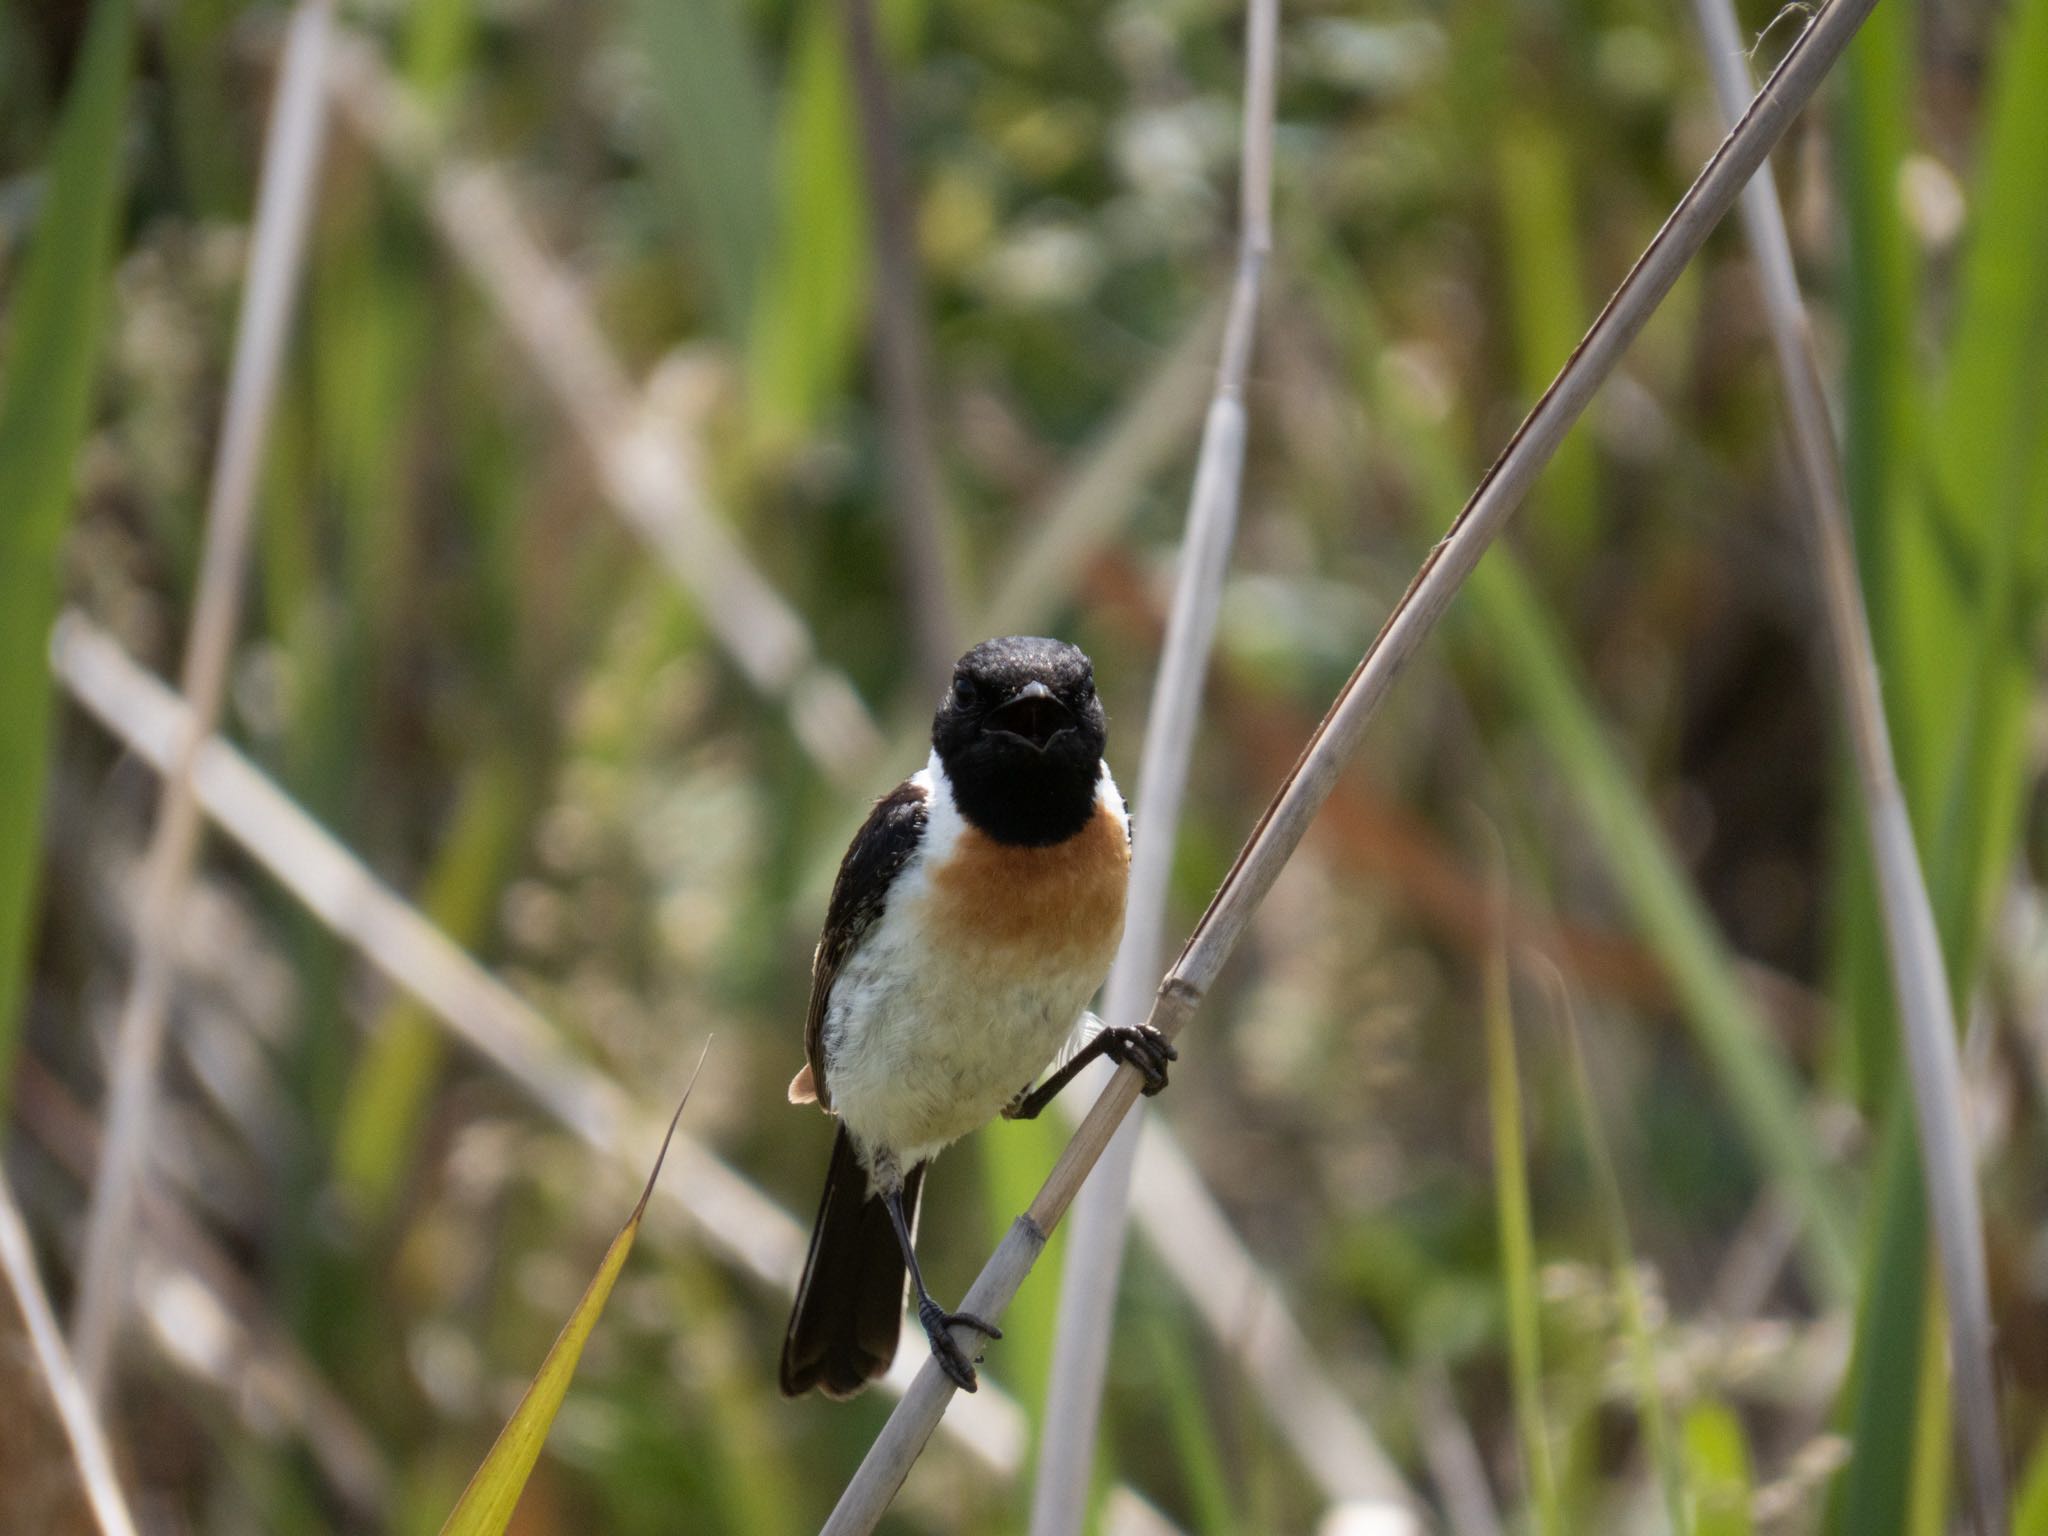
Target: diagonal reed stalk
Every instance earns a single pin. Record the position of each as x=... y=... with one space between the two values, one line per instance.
x=1286 y=819
x=95 y=1466
x=926 y=546
x=1920 y=979
x=284 y=204
x=1088 y=1286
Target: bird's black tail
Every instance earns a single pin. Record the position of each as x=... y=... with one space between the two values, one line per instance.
x=849 y=1306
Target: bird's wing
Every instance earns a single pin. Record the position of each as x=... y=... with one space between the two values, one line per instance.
x=876 y=856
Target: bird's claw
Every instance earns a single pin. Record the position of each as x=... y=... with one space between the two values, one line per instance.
x=1143 y=1047
x=953 y=1360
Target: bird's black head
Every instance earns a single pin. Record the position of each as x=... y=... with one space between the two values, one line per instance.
x=1020 y=733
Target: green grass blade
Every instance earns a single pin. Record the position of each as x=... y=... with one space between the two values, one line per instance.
x=1884 y=1381
x=1717 y=1471
x=1988 y=426
x=1992 y=479
x=390 y=1086
x=1934 y=1427
x=1192 y=1430
x=717 y=159
x=440 y=40
x=487 y=1504
x=1547 y=300
x=1635 y=1318
x=2031 y=1518
x=1517 y=1245
x=1879 y=295
x=806 y=322
x=58 y=311
x=198 y=62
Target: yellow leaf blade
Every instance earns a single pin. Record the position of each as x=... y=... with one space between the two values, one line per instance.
x=486 y=1505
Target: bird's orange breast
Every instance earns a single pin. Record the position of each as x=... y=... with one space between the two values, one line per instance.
x=1058 y=906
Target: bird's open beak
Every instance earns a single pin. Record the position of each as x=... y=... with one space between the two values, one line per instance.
x=1031 y=714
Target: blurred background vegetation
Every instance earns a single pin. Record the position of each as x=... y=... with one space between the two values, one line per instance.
x=463 y=663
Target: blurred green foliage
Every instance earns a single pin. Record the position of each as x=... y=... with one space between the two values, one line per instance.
x=462 y=664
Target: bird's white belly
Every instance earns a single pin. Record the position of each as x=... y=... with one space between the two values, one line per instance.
x=925 y=1049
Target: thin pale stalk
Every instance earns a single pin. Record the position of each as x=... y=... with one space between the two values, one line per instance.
x=67 y=1392
x=654 y=480
x=926 y=548
x=1281 y=828
x=284 y=205
x=1455 y=1463
x=737 y=1221
x=1920 y=979
x=1088 y=1285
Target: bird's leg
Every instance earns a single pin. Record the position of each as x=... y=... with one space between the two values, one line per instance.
x=1139 y=1046
x=938 y=1323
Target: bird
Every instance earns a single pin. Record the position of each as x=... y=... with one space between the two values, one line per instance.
x=974 y=915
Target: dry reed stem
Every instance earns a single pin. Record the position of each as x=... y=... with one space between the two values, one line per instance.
x=1088 y=1284
x=653 y=479
x=283 y=210
x=736 y=1220
x=68 y=1396
x=1920 y=980
x=1285 y=821
x=1453 y=1456
x=927 y=549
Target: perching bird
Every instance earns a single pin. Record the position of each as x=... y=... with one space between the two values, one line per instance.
x=975 y=914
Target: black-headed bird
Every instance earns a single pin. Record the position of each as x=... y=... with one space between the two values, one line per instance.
x=975 y=914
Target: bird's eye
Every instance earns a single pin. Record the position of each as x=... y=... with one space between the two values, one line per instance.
x=963 y=693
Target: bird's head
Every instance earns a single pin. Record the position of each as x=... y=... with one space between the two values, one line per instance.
x=1020 y=733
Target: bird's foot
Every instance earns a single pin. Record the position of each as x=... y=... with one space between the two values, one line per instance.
x=1143 y=1047
x=938 y=1327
